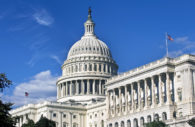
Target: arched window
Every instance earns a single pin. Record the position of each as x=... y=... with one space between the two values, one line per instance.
x=102 y=123
x=75 y=125
x=142 y=121
x=149 y=119
x=135 y=123
x=156 y=117
x=122 y=124
x=110 y=125
x=65 y=124
x=128 y=123
x=116 y=124
x=164 y=116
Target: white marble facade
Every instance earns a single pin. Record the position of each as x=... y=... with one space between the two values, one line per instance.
x=91 y=94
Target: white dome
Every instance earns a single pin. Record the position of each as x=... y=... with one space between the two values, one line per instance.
x=89 y=46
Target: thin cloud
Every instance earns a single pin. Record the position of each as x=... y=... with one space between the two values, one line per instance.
x=187 y=45
x=42 y=17
x=41 y=87
x=56 y=58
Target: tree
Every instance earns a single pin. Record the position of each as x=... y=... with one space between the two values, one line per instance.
x=191 y=122
x=30 y=123
x=5 y=118
x=156 y=124
x=44 y=122
x=4 y=82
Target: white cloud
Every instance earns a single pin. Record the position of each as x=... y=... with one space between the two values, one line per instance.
x=42 y=17
x=41 y=87
x=56 y=58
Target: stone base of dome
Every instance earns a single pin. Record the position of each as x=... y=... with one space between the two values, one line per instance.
x=84 y=99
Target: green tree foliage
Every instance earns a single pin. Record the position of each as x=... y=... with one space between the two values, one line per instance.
x=5 y=118
x=30 y=123
x=192 y=122
x=4 y=82
x=156 y=124
x=44 y=122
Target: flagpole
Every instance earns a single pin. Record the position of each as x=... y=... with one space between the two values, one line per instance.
x=166 y=40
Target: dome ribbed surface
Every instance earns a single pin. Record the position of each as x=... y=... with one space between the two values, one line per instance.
x=89 y=46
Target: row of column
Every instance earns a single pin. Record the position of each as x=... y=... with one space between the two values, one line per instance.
x=20 y=120
x=97 y=67
x=80 y=87
x=61 y=123
x=150 y=92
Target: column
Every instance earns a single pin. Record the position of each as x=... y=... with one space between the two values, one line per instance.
x=98 y=68
x=108 y=102
x=92 y=65
x=77 y=87
x=93 y=87
x=51 y=114
x=168 y=88
x=153 y=91
x=24 y=118
x=60 y=120
x=70 y=89
x=146 y=92
x=126 y=99
x=58 y=91
x=139 y=94
x=20 y=121
x=70 y=119
x=64 y=89
x=82 y=87
x=100 y=87
x=80 y=121
x=114 y=99
x=132 y=97
x=160 y=89
x=66 y=85
x=88 y=86
x=106 y=68
x=102 y=67
x=120 y=100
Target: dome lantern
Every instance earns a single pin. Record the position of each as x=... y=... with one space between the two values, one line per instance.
x=89 y=25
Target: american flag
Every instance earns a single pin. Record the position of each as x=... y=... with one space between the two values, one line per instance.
x=169 y=38
x=26 y=94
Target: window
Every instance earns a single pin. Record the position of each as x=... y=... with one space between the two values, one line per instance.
x=164 y=116
x=65 y=124
x=64 y=115
x=128 y=123
x=179 y=92
x=90 y=116
x=149 y=119
x=74 y=116
x=95 y=115
x=54 y=115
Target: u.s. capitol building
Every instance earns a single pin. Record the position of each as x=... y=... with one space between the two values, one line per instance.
x=90 y=93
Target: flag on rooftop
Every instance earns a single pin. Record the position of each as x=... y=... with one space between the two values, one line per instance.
x=26 y=94
x=169 y=38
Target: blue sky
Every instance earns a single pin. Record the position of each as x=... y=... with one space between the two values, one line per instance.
x=35 y=37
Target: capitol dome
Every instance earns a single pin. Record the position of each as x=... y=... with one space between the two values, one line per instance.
x=89 y=45
x=85 y=71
